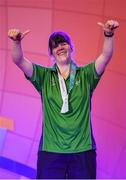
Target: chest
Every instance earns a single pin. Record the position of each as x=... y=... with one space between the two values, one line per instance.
x=52 y=92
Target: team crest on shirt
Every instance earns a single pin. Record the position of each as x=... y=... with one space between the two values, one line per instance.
x=77 y=82
x=52 y=81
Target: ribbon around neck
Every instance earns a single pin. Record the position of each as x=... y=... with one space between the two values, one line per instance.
x=63 y=89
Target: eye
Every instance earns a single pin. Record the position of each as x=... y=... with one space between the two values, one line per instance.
x=55 y=46
x=64 y=43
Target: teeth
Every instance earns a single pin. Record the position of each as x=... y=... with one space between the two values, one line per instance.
x=61 y=53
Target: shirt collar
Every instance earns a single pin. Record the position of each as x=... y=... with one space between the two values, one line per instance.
x=54 y=68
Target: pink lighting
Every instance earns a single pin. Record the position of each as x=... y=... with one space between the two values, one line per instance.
x=21 y=103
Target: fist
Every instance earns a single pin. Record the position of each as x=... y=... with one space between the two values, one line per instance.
x=109 y=26
x=16 y=34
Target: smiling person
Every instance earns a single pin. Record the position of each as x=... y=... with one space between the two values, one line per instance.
x=67 y=147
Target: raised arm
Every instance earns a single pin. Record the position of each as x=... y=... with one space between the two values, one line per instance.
x=107 y=51
x=17 y=54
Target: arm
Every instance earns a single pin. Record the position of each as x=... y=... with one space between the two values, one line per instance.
x=104 y=58
x=17 y=53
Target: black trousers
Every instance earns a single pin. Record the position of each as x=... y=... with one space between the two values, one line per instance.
x=66 y=166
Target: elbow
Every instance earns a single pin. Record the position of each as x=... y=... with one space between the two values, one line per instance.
x=107 y=56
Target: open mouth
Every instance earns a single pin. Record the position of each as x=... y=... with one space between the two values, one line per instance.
x=61 y=52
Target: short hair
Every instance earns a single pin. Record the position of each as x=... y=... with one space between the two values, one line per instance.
x=57 y=38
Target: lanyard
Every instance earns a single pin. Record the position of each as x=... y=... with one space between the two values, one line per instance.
x=63 y=90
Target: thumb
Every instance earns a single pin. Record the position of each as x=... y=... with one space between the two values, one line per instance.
x=101 y=24
x=104 y=26
x=25 y=33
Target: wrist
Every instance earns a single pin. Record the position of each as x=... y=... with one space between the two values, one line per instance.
x=16 y=42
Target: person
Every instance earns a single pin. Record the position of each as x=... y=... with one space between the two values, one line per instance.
x=67 y=147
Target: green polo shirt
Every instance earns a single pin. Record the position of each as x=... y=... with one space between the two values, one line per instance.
x=70 y=132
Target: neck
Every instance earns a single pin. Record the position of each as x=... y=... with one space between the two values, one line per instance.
x=64 y=69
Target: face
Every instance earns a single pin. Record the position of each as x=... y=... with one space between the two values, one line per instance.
x=62 y=53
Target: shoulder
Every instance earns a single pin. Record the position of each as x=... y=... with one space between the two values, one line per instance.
x=42 y=68
x=86 y=67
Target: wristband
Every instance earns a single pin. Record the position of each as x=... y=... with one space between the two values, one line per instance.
x=108 y=34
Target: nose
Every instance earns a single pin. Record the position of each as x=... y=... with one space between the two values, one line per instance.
x=59 y=45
